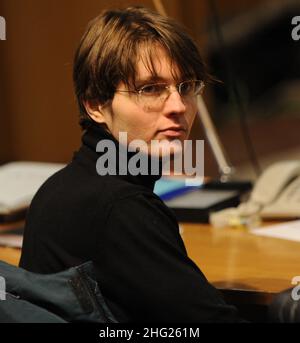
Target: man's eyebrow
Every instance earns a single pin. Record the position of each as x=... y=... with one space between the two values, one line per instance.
x=155 y=79
x=150 y=79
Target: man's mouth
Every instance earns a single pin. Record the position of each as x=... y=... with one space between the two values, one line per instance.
x=174 y=131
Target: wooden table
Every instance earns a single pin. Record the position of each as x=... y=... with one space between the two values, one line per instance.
x=10 y=255
x=247 y=268
x=244 y=266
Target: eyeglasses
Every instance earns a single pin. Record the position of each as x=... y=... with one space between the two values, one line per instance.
x=153 y=96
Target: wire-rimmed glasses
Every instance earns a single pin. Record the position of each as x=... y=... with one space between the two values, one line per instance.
x=152 y=96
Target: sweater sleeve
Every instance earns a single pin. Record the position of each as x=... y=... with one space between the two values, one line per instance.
x=147 y=270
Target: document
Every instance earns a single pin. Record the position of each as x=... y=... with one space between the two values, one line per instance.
x=19 y=181
x=288 y=230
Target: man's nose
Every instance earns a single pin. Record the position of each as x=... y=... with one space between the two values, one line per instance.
x=174 y=102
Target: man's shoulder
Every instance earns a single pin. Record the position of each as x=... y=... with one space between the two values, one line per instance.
x=74 y=182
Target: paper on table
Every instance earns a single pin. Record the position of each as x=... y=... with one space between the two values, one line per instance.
x=9 y=240
x=19 y=181
x=288 y=230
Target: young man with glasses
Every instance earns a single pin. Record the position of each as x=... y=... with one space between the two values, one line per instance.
x=138 y=73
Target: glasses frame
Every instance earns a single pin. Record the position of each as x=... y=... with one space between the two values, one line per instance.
x=178 y=86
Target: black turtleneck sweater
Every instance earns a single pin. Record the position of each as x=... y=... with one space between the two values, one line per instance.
x=131 y=236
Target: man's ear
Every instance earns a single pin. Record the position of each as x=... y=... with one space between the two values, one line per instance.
x=95 y=111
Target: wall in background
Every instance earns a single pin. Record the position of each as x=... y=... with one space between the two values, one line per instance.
x=38 y=112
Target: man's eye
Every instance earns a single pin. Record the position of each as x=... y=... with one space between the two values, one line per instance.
x=186 y=88
x=153 y=89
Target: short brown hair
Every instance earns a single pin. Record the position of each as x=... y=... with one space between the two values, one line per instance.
x=109 y=49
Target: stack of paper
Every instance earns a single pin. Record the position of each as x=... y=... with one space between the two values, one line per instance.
x=19 y=181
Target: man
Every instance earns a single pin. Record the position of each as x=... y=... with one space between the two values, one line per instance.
x=138 y=73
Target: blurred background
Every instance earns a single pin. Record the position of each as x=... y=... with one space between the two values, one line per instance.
x=247 y=45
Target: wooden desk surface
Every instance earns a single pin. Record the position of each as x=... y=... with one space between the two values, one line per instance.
x=242 y=264
x=10 y=255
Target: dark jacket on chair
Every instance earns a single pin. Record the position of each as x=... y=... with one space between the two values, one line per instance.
x=72 y=295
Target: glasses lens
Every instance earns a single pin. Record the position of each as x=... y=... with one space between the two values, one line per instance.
x=152 y=96
x=153 y=90
x=190 y=88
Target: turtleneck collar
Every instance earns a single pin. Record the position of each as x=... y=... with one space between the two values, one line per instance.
x=96 y=133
